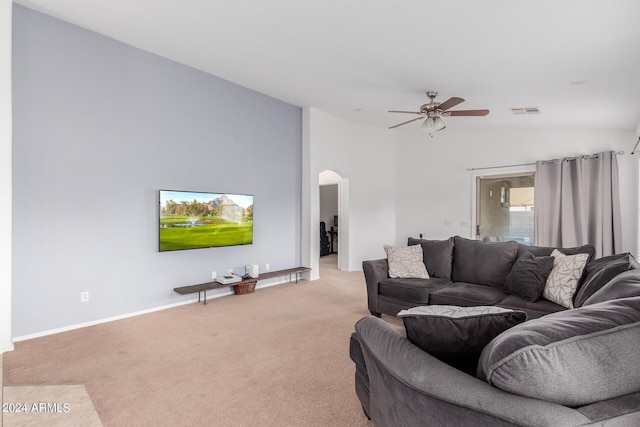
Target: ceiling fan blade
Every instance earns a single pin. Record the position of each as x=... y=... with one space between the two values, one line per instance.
x=468 y=113
x=450 y=103
x=408 y=121
x=407 y=112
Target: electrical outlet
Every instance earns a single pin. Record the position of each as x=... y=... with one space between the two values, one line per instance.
x=84 y=296
x=214 y=275
x=230 y=271
x=465 y=223
x=266 y=267
x=448 y=223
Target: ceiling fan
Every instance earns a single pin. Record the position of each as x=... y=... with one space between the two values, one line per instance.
x=433 y=112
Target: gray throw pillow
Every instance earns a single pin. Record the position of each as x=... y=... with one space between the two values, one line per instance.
x=457 y=335
x=406 y=262
x=482 y=263
x=572 y=358
x=529 y=275
x=600 y=272
x=438 y=256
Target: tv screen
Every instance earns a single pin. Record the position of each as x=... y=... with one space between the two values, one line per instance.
x=193 y=220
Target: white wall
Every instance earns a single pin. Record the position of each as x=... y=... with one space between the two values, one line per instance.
x=364 y=156
x=434 y=185
x=6 y=342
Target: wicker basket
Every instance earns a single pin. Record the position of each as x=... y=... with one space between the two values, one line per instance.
x=245 y=288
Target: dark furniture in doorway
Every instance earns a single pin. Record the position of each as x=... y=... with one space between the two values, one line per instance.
x=324 y=240
x=333 y=246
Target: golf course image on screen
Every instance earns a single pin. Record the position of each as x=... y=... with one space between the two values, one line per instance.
x=193 y=220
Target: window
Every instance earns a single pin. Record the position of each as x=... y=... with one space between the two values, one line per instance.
x=504 y=208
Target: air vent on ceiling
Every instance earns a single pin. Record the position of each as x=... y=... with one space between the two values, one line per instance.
x=525 y=110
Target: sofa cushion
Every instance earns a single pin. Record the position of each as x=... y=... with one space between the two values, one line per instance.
x=529 y=275
x=564 y=278
x=467 y=294
x=457 y=335
x=413 y=290
x=533 y=309
x=600 y=272
x=406 y=262
x=546 y=250
x=572 y=358
x=438 y=256
x=624 y=285
x=484 y=263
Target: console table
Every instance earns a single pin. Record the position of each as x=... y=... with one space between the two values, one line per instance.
x=243 y=287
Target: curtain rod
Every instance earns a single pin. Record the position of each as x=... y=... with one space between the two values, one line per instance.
x=498 y=167
x=530 y=164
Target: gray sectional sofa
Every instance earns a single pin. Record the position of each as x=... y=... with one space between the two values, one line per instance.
x=462 y=272
x=563 y=366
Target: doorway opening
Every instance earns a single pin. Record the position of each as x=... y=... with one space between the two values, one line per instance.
x=333 y=203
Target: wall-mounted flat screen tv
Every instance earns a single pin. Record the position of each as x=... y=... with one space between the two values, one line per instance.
x=193 y=220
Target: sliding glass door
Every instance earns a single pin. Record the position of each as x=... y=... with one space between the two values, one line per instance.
x=504 y=208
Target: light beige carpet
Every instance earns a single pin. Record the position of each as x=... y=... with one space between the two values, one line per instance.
x=277 y=357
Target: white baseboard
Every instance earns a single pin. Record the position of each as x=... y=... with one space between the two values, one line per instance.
x=125 y=316
x=4 y=350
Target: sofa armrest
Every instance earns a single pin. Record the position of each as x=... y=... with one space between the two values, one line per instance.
x=408 y=386
x=374 y=272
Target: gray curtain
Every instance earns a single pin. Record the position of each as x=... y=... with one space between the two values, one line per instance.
x=577 y=202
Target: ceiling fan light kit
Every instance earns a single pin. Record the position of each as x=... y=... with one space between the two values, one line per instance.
x=433 y=112
x=433 y=124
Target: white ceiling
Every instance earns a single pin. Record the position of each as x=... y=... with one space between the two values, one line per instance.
x=577 y=60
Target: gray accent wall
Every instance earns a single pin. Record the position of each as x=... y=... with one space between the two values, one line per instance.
x=98 y=128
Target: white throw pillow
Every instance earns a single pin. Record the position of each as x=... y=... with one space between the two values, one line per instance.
x=563 y=280
x=406 y=262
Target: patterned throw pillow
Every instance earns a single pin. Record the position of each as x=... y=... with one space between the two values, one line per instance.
x=406 y=262
x=563 y=280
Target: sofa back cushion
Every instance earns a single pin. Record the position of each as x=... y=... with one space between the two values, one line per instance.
x=483 y=263
x=600 y=272
x=572 y=358
x=438 y=256
x=624 y=285
x=546 y=250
